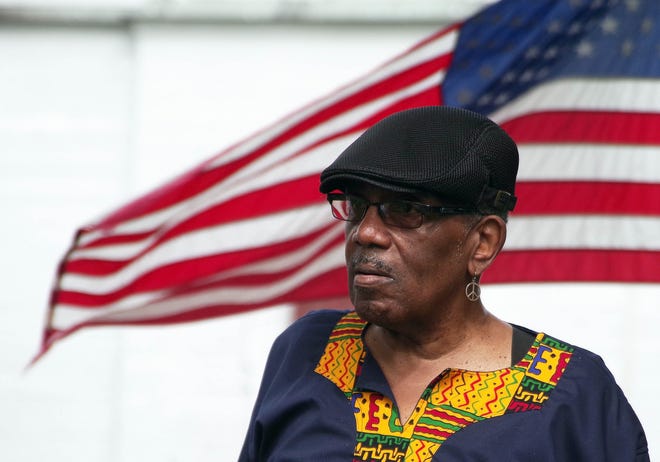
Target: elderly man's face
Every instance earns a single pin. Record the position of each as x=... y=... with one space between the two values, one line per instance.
x=399 y=278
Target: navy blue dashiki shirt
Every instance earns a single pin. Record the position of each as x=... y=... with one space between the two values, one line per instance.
x=324 y=398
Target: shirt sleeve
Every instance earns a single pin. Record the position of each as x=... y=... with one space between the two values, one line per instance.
x=596 y=422
x=251 y=444
x=289 y=369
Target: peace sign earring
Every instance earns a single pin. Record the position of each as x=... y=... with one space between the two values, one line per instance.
x=473 y=289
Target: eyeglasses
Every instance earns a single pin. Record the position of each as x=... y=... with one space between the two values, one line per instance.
x=399 y=213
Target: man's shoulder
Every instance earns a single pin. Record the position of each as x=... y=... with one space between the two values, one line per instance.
x=589 y=371
x=574 y=363
x=584 y=368
x=588 y=392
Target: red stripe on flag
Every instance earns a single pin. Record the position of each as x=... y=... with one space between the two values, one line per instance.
x=586 y=127
x=575 y=265
x=573 y=197
x=176 y=274
x=318 y=293
x=276 y=198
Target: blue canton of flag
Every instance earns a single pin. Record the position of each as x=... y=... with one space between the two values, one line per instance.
x=511 y=47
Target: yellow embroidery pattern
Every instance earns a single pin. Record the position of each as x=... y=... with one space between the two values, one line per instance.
x=454 y=400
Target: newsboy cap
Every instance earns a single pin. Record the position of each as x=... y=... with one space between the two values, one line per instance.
x=453 y=153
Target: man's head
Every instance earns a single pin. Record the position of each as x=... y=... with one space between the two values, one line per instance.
x=424 y=193
x=457 y=155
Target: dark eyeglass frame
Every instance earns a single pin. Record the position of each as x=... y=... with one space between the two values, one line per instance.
x=400 y=212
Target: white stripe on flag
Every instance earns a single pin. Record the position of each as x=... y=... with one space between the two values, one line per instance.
x=228 y=237
x=66 y=315
x=583 y=232
x=566 y=162
x=632 y=95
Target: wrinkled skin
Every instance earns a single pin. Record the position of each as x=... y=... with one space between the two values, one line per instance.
x=406 y=280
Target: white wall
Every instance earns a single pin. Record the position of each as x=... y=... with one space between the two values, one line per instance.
x=90 y=117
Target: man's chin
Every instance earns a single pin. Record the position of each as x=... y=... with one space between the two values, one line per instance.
x=376 y=313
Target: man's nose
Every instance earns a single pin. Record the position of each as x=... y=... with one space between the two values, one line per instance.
x=371 y=230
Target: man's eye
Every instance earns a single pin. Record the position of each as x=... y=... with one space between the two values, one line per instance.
x=355 y=205
x=401 y=207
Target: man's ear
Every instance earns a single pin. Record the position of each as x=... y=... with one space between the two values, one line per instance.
x=489 y=235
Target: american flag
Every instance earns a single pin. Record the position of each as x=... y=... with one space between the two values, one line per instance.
x=576 y=84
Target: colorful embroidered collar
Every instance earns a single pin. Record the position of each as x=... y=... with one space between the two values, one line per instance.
x=454 y=400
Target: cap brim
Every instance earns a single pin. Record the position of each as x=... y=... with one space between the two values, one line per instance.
x=342 y=181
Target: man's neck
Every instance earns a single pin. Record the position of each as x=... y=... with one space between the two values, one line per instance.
x=477 y=341
x=411 y=362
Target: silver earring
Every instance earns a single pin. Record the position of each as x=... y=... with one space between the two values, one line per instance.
x=473 y=290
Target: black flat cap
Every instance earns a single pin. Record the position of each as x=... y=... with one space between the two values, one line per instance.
x=454 y=153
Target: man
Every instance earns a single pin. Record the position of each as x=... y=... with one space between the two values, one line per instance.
x=420 y=370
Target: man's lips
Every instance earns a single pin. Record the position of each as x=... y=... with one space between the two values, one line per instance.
x=370 y=275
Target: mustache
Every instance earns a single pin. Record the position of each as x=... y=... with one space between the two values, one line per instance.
x=369 y=260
